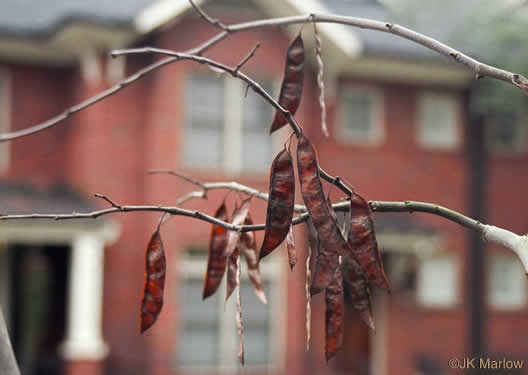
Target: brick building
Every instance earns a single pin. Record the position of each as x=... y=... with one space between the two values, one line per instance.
x=399 y=127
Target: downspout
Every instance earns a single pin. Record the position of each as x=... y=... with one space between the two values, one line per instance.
x=477 y=260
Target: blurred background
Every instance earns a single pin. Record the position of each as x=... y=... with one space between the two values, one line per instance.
x=404 y=124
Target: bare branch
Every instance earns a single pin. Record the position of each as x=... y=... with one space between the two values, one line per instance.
x=208 y=18
x=246 y=59
x=180 y=175
x=430 y=208
x=112 y=203
x=492 y=234
x=480 y=69
x=176 y=211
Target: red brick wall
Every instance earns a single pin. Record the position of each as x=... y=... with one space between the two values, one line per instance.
x=109 y=147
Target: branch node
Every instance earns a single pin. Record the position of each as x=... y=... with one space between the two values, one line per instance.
x=213 y=21
x=245 y=60
x=112 y=203
x=389 y=26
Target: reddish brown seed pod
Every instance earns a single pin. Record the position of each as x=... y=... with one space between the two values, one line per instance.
x=248 y=245
x=216 y=263
x=292 y=83
x=332 y=241
x=357 y=289
x=292 y=252
x=362 y=240
x=281 y=201
x=335 y=314
x=239 y=216
x=155 y=268
x=233 y=263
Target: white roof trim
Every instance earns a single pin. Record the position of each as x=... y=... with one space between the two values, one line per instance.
x=341 y=35
x=163 y=11
x=160 y=13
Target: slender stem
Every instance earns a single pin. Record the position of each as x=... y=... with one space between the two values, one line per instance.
x=209 y=19
x=180 y=175
x=247 y=58
x=430 y=208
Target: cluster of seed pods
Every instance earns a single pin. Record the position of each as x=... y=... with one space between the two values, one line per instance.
x=343 y=259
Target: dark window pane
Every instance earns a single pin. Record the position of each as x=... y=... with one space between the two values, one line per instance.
x=203 y=141
x=256 y=142
x=198 y=346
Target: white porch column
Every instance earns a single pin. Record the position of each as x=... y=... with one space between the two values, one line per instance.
x=84 y=333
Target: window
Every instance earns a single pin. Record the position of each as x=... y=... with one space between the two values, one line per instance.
x=438 y=121
x=505 y=133
x=5 y=118
x=208 y=335
x=506 y=283
x=437 y=281
x=361 y=119
x=225 y=128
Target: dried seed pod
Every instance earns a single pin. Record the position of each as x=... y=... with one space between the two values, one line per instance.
x=357 y=289
x=314 y=243
x=248 y=245
x=292 y=252
x=239 y=216
x=238 y=318
x=155 y=268
x=233 y=264
x=362 y=240
x=335 y=314
x=332 y=241
x=217 y=261
x=292 y=83
x=280 y=202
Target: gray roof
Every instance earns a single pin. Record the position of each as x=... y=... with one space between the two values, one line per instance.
x=40 y=19
x=26 y=198
x=384 y=44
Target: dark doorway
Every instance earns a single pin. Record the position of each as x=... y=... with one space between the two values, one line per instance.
x=38 y=283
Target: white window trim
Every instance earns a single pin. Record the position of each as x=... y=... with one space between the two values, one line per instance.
x=420 y=134
x=5 y=118
x=234 y=95
x=83 y=332
x=492 y=301
x=376 y=133
x=455 y=279
x=271 y=269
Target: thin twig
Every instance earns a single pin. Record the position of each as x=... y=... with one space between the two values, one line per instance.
x=112 y=203
x=178 y=174
x=492 y=234
x=246 y=59
x=480 y=69
x=378 y=206
x=205 y=16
